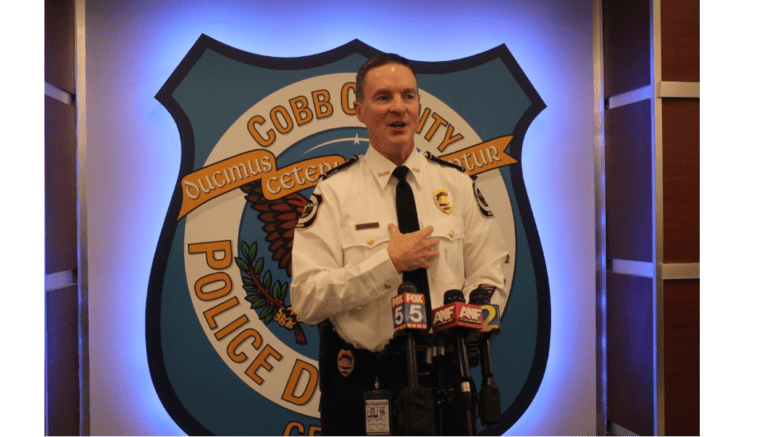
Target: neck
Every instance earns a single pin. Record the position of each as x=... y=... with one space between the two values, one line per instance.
x=398 y=157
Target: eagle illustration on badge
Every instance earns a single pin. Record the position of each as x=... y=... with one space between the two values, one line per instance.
x=226 y=351
x=443 y=200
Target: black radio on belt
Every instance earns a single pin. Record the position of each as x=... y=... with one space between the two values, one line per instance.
x=377 y=411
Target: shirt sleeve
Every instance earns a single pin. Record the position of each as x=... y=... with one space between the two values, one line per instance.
x=322 y=286
x=484 y=250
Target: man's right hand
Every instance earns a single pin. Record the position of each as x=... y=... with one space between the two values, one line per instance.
x=412 y=251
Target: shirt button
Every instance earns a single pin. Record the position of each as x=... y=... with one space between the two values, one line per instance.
x=387 y=284
x=370 y=241
x=451 y=234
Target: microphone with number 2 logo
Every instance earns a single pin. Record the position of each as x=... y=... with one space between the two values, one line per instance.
x=490 y=404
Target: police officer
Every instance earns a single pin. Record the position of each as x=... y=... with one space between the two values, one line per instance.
x=349 y=255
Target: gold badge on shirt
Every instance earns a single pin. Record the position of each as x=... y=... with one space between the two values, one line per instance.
x=443 y=200
x=345 y=362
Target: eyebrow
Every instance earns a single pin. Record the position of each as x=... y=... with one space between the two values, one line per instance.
x=388 y=90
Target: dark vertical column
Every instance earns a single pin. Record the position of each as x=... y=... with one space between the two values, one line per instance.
x=630 y=313
x=630 y=387
x=680 y=40
x=651 y=149
x=626 y=28
x=60 y=44
x=681 y=223
x=62 y=359
x=681 y=357
x=630 y=217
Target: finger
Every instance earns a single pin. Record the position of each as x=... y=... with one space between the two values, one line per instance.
x=430 y=243
x=425 y=232
x=393 y=229
x=427 y=256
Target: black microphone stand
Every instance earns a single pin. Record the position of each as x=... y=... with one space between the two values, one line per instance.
x=490 y=406
x=464 y=389
x=416 y=402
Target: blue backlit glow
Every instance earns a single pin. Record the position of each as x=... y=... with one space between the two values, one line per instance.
x=134 y=158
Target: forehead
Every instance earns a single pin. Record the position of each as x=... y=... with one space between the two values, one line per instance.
x=389 y=76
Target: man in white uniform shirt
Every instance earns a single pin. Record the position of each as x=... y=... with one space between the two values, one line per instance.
x=349 y=255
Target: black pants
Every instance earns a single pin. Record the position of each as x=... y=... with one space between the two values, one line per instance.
x=342 y=406
x=342 y=397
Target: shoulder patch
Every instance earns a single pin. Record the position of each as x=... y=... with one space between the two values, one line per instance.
x=485 y=211
x=340 y=167
x=310 y=213
x=441 y=161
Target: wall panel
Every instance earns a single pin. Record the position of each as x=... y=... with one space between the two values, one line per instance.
x=62 y=361
x=60 y=186
x=62 y=384
x=626 y=36
x=647 y=44
x=681 y=175
x=629 y=187
x=680 y=41
x=60 y=42
x=630 y=352
x=682 y=356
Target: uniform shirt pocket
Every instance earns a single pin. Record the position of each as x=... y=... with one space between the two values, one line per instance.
x=360 y=241
x=448 y=269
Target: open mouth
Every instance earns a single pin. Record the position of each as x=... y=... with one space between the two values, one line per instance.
x=398 y=124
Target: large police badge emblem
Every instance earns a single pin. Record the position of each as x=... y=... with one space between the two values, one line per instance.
x=226 y=351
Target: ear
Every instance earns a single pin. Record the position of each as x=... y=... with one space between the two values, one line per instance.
x=359 y=108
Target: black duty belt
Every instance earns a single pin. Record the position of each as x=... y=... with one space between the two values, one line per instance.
x=345 y=358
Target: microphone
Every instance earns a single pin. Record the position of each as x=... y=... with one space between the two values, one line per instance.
x=414 y=404
x=455 y=312
x=459 y=317
x=490 y=406
x=409 y=310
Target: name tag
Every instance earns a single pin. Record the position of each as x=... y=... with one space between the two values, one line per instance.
x=377 y=412
x=367 y=226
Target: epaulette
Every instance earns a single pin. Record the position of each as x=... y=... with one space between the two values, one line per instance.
x=340 y=167
x=441 y=161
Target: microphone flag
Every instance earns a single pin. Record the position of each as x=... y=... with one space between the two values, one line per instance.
x=409 y=310
x=490 y=314
x=457 y=314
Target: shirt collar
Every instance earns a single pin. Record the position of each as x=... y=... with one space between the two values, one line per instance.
x=381 y=167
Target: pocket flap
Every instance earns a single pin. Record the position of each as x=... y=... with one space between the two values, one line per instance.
x=448 y=228
x=366 y=236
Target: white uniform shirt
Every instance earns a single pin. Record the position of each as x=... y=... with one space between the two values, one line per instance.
x=340 y=264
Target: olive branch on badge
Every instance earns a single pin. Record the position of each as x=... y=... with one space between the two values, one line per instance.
x=266 y=297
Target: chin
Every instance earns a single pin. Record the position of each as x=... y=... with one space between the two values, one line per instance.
x=402 y=144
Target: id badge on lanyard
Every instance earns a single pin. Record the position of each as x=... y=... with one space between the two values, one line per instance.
x=377 y=411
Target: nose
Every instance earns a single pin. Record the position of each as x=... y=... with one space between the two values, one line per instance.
x=397 y=105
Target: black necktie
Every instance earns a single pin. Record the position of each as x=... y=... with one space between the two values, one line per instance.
x=407 y=216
